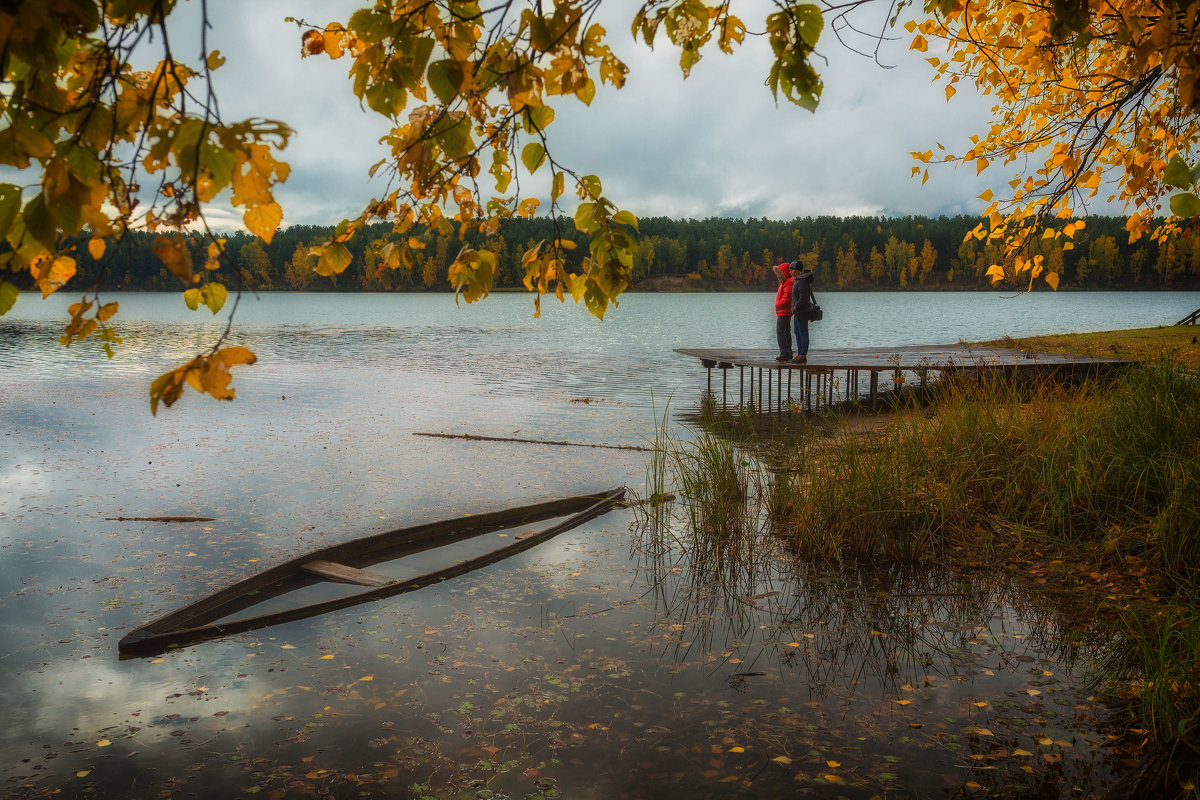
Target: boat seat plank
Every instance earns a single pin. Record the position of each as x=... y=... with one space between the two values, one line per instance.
x=340 y=573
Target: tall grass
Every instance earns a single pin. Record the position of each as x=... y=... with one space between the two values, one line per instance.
x=1108 y=464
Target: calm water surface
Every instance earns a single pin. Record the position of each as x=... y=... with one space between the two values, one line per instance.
x=606 y=663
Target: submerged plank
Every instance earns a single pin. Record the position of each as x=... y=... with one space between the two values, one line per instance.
x=340 y=573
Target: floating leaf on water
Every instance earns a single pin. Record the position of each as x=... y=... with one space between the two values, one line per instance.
x=287 y=647
x=980 y=704
x=329 y=655
x=903 y=702
x=103 y=743
x=1045 y=741
x=833 y=764
x=83 y=773
x=832 y=778
x=1032 y=692
x=782 y=760
x=737 y=749
x=1019 y=752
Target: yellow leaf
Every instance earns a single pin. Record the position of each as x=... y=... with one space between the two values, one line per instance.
x=833 y=764
x=334 y=259
x=52 y=274
x=232 y=356
x=287 y=647
x=903 y=702
x=263 y=220
x=367 y=678
x=950 y=91
x=96 y=248
x=782 y=760
x=175 y=255
x=1052 y=279
x=737 y=749
x=330 y=655
x=919 y=44
x=103 y=743
x=83 y=773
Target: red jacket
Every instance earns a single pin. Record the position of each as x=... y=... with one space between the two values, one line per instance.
x=783 y=295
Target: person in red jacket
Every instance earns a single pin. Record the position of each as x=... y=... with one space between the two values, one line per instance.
x=783 y=312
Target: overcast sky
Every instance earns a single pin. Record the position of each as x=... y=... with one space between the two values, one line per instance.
x=713 y=145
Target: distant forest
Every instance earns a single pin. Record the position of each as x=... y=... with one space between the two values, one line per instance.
x=850 y=253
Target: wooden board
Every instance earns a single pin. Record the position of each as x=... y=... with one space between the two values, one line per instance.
x=936 y=357
x=340 y=573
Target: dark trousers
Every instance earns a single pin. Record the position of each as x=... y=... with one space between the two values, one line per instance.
x=783 y=335
x=801 y=334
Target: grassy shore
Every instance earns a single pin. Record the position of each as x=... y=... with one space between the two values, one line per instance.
x=1093 y=486
x=1178 y=342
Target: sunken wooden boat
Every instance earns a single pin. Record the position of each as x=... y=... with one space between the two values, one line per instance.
x=209 y=617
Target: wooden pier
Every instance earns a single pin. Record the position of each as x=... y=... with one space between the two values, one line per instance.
x=856 y=374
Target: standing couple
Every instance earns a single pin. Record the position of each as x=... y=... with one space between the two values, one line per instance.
x=795 y=305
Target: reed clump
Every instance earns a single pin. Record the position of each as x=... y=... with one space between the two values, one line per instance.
x=1110 y=464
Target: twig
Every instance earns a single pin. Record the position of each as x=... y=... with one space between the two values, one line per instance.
x=475 y=438
x=161 y=519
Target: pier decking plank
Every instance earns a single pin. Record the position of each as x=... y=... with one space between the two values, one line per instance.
x=937 y=357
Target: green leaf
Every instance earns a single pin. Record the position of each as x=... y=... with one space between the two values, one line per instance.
x=538 y=119
x=809 y=23
x=584 y=221
x=445 y=78
x=591 y=185
x=8 y=297
x=386 y=98
x=626 y=218
x=532 y=156
x=1177 y=173
x=214 y=295
x=10 y=206
x=1185 y=204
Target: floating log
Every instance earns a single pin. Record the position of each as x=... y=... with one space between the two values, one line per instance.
x=160 y=519
x=476 y=438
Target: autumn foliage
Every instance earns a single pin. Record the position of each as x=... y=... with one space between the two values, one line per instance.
x=1093 y=99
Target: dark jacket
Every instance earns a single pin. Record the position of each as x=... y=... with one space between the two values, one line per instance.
x=803 y=298
x=783 y=295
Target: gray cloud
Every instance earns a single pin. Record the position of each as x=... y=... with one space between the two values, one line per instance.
x=713 y=145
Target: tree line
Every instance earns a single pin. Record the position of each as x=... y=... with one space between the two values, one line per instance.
x=863 y=253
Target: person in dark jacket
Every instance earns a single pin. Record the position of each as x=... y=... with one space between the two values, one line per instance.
x=803 y=301
x=783 y=312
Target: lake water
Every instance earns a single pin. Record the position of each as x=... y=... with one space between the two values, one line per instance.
x=597 y=665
